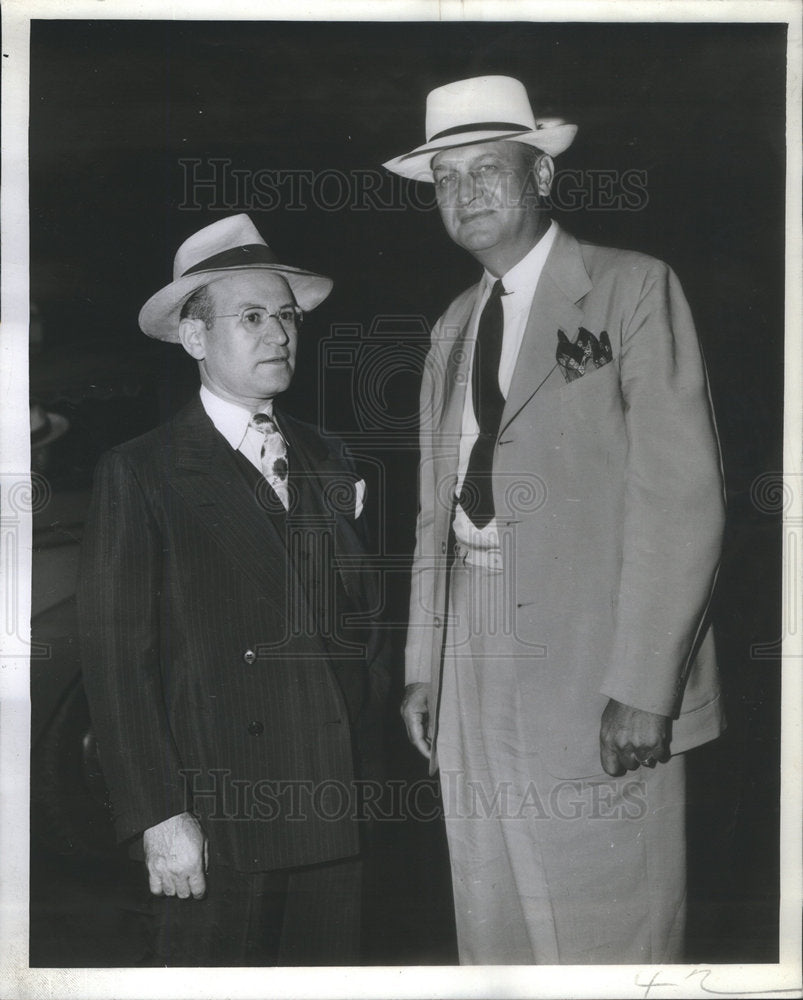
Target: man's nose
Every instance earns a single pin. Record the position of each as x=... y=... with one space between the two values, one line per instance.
x=275 y=331
x=466 y=188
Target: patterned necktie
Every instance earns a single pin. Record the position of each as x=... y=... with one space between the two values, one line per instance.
x=273 y=455
x=476 y=497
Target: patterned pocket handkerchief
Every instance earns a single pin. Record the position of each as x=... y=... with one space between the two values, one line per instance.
x=575 y=358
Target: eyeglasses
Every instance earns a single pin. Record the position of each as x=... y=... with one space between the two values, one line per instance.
x=256 y=318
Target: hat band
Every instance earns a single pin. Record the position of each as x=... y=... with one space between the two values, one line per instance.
x=481 y=127
x=245 y=256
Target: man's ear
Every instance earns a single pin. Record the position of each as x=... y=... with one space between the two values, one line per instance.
x=544 y=173
x=192 y=334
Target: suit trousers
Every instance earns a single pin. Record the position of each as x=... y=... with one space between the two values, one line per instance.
x=546 y=869
x=293 y=917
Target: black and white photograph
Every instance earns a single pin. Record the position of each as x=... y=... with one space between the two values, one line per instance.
x=401 y=548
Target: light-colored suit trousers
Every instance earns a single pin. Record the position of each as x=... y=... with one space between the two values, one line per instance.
x=545 y=870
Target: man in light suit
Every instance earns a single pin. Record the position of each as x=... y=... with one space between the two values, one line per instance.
x=232 y=665
x=559 y=659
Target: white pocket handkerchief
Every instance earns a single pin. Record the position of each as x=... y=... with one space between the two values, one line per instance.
x=359 y=496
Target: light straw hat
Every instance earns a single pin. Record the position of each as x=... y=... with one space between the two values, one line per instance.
x=481 y=109
x=229 y=245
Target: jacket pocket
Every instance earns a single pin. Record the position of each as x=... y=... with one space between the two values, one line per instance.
x=596 y=382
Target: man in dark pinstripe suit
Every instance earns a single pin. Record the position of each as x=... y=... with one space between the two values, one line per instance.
x=233 y=667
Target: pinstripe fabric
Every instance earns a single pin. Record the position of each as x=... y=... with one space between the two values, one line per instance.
x=200 y=674
x=305 y=916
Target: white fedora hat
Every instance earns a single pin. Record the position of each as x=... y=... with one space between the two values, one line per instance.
x=481 y=109
x=229 y=245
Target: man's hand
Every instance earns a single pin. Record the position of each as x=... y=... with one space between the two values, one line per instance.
x=630 y=737
x=176 y=856
x=415 y=712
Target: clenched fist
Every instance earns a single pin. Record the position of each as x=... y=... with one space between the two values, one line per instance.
x=631 y=738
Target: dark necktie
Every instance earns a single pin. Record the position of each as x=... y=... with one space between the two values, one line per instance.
x=476 y=497
x=273 y=456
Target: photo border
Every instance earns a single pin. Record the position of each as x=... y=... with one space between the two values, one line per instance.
x=16 y=978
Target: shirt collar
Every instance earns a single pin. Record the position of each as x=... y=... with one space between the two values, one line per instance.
x=229 y=418
x=523 y=277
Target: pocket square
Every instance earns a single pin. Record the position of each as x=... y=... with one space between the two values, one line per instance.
x=575 y=358
x=359 y=497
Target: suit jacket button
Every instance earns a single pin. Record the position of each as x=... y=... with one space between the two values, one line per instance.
x=437 y=623
x=256 y=728
x=443 y=547
x=249 y=656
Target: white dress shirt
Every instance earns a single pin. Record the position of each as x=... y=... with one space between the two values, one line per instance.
x=232 y=422
x=519 y=283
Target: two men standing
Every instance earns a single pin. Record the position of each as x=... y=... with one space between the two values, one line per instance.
x=571 y=511
x=568 y=538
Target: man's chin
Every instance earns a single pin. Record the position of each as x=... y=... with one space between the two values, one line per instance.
x=280 y=382
x=477 y=239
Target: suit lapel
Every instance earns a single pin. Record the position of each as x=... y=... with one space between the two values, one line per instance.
x=206 y=476
x=563 y=282
x=457 y=364
x=454 y=359
x=326 y=481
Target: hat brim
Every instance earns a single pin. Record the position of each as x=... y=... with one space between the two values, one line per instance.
x=57 y=426
x=160 y=316
x=416 y=165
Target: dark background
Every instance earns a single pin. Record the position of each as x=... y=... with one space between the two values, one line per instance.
x=699 y=109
